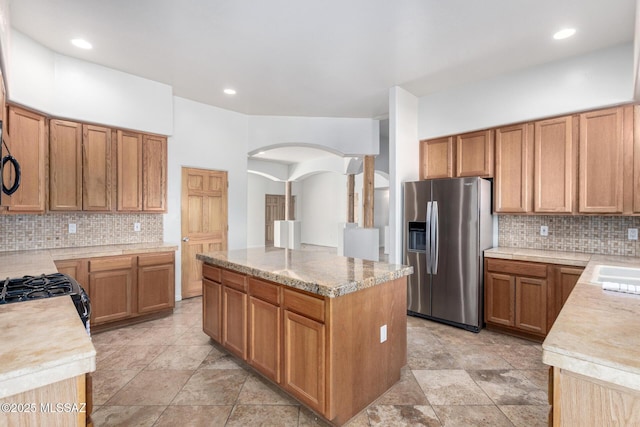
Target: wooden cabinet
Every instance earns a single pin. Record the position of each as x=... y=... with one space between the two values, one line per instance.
x=436 y=158
x=76 y=268
x=111 y=282
x=212 y=302
x=304 y=348
x=564 y=280
x=156 y=282
x=513 y=169
x=601 y=161
x=97 y=168
x=555 y=154
x=265 y=328
x=474 y=154
x=234 y=313
x=154 y=173
x=516 y=297
x=27 y=136
x=142 y=172
x=129 y=171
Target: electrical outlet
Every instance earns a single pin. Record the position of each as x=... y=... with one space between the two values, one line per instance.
x=632 y=233
x=383 y=333
x=544 y=230
x=72 y=229
x=136 y=226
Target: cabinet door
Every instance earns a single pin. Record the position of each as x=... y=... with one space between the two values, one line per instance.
x=304 y=360
x=156 y=287
x=97 y=168
x=111 y=295
x=531 y=305
x=65 y=166
x=554 y=158
x=212 y=309
x=474 y=154
x=514 y=163
x=264 y=338
x=436 y=158
x=234 y=321
x=500 y=299
x=601 y=168
x=27 y=142
x=129 y=171
x=76 y=268
x=565 y=279
x=154 y=174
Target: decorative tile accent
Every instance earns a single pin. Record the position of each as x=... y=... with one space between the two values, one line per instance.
x=49 y=231
x=606 y=235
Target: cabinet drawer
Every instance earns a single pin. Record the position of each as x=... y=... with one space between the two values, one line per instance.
x=234 y=280
x=212 y=273
x=304 y=304
x=265 y=291
x=155 y=259
x=111 y=263
x=518 y=268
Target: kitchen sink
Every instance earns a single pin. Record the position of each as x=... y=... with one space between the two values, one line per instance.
x=618 y=275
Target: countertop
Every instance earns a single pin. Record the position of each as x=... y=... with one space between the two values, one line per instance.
x=317 y=272
x=21 y=263
x=43 y=342
x=538 y=255
x=596 y=333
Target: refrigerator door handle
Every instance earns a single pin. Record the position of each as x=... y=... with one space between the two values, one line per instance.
x=428 y=238
x=435 y=244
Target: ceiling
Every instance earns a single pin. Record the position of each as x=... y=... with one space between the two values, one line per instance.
x=329 y=58
x=292 y=154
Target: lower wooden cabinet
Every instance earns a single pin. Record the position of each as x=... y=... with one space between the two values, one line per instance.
x=524 y=298
x=124 y=287
x=234 y=324
x=212 y=309
x=265 y=337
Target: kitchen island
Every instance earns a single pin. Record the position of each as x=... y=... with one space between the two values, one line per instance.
x=329 y=330
x=594 y=349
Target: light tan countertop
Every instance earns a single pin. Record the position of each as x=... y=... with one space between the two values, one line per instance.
x=22 y=263
x=43 y=342
x=596 y=333
x=317 y=272
x=538 y=255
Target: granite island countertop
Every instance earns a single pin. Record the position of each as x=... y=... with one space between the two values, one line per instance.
x=321 y=273
x=43 y=342
x=596 y=333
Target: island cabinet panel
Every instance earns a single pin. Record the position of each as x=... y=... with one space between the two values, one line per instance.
x=304 y=359
x=474 y=154
x=65 y=165
x=555 y=159
x=156 y=287
x=513 y=169
x=265 y=328
x=234 y=323
x=27 y=141
x=212 y=309
x=436 y=158
x=601 y=161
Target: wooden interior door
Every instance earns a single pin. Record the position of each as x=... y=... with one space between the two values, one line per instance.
x=204 y=222
x=274 y=206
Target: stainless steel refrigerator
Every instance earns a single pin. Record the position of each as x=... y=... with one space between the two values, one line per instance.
x=447 y=226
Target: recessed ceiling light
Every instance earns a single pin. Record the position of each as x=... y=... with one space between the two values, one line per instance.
x=230 y=91
x=81 y=43
x=565 y=33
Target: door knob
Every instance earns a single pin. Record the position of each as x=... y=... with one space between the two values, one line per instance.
x=185 y=239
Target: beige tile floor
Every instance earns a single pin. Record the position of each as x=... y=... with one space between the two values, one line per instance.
x=167 y=372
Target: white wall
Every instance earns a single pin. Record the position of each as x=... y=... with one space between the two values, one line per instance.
x=585 y=82
x=340 y=135
x=323 y=207
x=211 y=138
x=65 y=87
x=403 y=161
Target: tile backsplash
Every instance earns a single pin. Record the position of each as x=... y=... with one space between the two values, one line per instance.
x=605 y=235
x=47 y=231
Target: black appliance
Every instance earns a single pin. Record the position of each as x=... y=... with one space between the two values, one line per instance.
x=14 y=173
x=28 y=288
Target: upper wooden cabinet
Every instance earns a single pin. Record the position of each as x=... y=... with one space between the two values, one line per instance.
x=436 y=158
x=27 y=141
x=97 y=168
x=555 y=163
x=474 y=154
x=513 y=171
x=601 y=161
x=470 y=154
x=142 y=172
